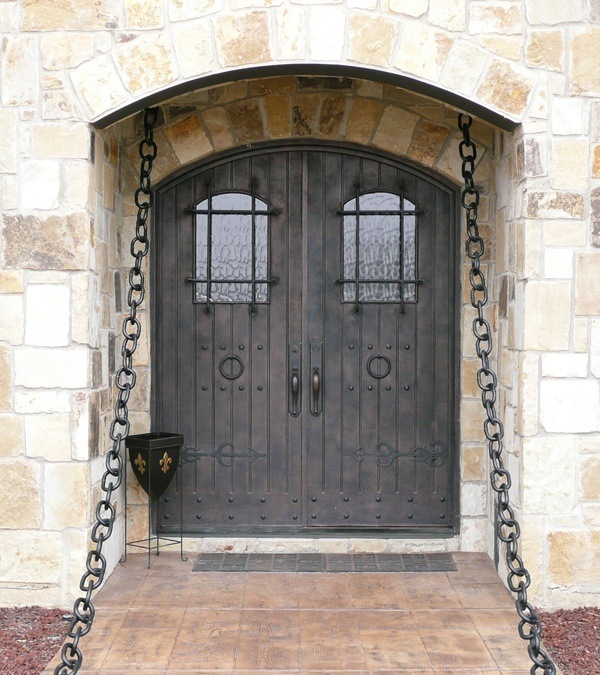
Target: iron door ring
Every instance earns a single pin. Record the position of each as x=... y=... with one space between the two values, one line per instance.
x=232 y=375
x=380 y=375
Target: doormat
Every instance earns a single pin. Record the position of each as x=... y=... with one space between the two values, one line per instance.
x=325 y=562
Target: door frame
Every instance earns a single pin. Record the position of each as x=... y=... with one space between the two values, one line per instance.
x=453 y=523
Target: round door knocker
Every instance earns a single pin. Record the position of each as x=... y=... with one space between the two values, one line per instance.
x=236 y=367
x=379 y=366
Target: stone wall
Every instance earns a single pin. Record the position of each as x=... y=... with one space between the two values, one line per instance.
x=64 y=230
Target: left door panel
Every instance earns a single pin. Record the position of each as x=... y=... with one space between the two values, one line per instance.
x=221 y=374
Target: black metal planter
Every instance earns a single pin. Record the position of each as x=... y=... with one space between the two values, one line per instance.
x=154 y=458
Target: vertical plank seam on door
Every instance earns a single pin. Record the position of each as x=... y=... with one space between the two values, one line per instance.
x=322 y=324
x=341 y=311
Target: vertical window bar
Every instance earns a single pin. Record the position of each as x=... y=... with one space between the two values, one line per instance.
x=209 y=225
x=401 y=251
x=253 y=303
x=357 y=245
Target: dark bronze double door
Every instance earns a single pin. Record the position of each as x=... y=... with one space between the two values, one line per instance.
x=304 y=344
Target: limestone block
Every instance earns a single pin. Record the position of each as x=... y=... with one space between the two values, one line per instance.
x=143 y=14
x=468 y=378
x=193 y=47
x=216 y=122
x=472 y=415
x=567 y=116
x=414 y=8
x=48 y=436
x=279 y=115
x=37 y=367
x=326 y=33
x=11 y=318
x=242 y=38
x=565 y=233
x=29 y=402
x=589 y=478
x=146 y=63
x=304 y=111
x=495 y=17
x=366 y=545
x=473 y=463
x=66 y=490
x=21 y=480
x=61 y=141
x=395 y=130
x=19 y=71
x=585 y=56
x=332 y=114
x=528 y=249
x=509 y=47
x=506 y=88
x=552 y=12
x=46 y=242
x=533 y=546
x=98 y=86
x=474 y=534
x=596 y=162
x=6 y=379
x=427 y=143
x=570 y=405
x=291 y=33
x=547 y=315
x=11 y=281
x=66 y=50
x=595 y=347
x=372 y=38
x=531 y=158
x=587 y=299
x=448 y=14
x=182 y=10
x=30 y=556
x=545 y=49
x=333 y=545
x=47 y=15
x=423 y=51
x=40 y=184
x=564 y=365
x=473 y=499
x=450 y=163
x=362 y=119
x=570 y=159
x=554 y=205
x=548 y=474
x=77 y=183
x=558 y=263
x=591 y=515
x=56 y=105
x=574 y=558
x=247 y=121
x=47 y=315
x=528 y=394
x=9 y=192
x=8 y=141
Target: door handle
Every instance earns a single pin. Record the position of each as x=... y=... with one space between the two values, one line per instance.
x=295 y=390
x=316 y=391
x=316 y=382
x=294 y=369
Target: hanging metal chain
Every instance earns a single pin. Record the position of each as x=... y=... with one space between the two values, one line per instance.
x=83 y=609
x=508 y=529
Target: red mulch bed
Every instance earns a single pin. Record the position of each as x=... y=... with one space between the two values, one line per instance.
x=572 y=638
x=30 y=636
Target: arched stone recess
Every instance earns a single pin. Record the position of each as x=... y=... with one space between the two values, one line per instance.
x=196 y=125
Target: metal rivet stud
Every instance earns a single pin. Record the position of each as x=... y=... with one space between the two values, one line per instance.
x=370 y=387
x=378 y=516
x=263 y=517
x=204 y=388
x=346 y=499
x=313 y=516
x=406 y=346
x=370 y=347
x=377 y=499
x=389 y=386
x=388 y=346
x=442 y=499
x=199 y=500
x=231 y=500
x=204 y=347
x=295 y=517
x=241 y=387
x=346 y=516
x=230 y=516
x=241 y=347
x=406 y=387
x=410 y=516
x=313 y=499
x=198 y=517
x=259 y=347
x=259 y=387
x=262 y=500
x=223 y=347
x=351 y=387
x=351 y=346
x=443 y=516
x=167 y=500
x=222 y=388
x=410 y=499
x=295 y=500
x=166 y=516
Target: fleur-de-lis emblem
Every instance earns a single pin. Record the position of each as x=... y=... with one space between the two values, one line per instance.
x=165 y=463
x=140 y=462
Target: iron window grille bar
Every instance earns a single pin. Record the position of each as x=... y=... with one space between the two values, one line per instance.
x=253 y=212
x=357 y=281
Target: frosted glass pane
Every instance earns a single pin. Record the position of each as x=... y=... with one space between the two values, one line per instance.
x=381 y=250
x=231 y=249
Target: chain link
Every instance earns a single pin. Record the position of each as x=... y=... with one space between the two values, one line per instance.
x=508 y=529
x=83 y=609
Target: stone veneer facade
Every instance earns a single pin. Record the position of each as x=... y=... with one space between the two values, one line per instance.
x=67 y=218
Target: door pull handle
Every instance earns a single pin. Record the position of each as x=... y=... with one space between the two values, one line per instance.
x=316 y=392
x=295 y=389
x=316 y=367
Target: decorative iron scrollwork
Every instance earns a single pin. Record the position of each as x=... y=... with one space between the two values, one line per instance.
x=434 y=454
x=225 y=459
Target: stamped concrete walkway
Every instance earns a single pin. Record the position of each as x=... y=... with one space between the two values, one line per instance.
x=171 y=620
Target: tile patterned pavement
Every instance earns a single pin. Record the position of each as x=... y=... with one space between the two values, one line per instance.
x=171 y=620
